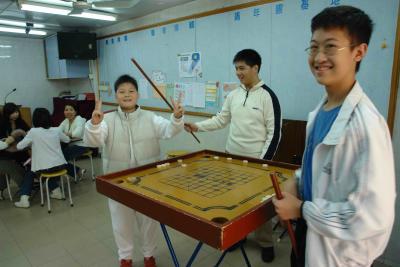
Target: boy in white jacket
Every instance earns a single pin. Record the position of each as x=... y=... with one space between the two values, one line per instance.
x=346 y=191
x=254 y=114
x=129 y=137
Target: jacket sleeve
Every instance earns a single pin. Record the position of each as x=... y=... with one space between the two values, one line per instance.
x=273 y=124
x=63 y=126
x=63 y=137
x=95 y=135
x=218 y=121
x=166 y=129
x=3 y=145
x=369 y=209
x=27 y=141
x=77 y=131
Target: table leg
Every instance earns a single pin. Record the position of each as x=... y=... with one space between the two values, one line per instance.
x=170 y=247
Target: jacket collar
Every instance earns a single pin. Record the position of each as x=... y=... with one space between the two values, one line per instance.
x=130 y=115
x=349 y=104
x=255 y=87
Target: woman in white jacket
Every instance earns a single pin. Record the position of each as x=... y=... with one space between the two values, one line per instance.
x=73 y=126
x=129 y=137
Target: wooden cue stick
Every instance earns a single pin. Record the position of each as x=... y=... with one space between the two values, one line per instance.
x=289 y=225
x=155 y=88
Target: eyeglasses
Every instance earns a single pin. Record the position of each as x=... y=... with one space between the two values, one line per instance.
x=328 y=49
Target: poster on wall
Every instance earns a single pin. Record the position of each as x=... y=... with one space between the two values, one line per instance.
x=189 y=65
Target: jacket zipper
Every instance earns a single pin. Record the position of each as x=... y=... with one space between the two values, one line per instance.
x=247 y=94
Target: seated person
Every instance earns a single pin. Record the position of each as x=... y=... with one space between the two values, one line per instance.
x=73 y=126
x=46 y=154
x=13 y=125
x=10 y=167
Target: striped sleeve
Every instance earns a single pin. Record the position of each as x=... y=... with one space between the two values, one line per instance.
x=273 y=124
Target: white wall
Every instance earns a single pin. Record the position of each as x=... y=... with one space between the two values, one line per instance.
x=171 y=13
x=25 y=70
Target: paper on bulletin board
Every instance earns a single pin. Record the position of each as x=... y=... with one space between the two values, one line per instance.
x=144 y=88
x=199 y=95
x=170 y=91
x=228 y=87
x=189 y=65
x=211 y=94
x=158 y=77
x=192 y=94
x=184 y=90
x=162 y=88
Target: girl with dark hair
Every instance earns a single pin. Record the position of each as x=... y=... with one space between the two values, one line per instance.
x=12 y=120
x=46 y=154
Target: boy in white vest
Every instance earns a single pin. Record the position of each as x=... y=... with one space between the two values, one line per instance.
x=129 y=137
x=344 y=200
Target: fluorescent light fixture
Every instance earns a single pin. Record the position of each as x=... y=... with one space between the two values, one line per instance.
x=61 y=10
x=45 y=9
x=36 y=32
x=92 y=15
x=5 y=46
x=5 y=56
x=19 y=23
x=19 y=30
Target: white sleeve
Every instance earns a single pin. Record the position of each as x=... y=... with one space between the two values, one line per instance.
x=369 y=209
x=3 y=145
x=218 y=121
x=166 y=129
x=77 y=131
x=63 y=137
x=63 y=126
x=95 y=135
x=27 y=141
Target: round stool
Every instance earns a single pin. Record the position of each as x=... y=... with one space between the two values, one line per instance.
x=88 y=153
x=49 y=175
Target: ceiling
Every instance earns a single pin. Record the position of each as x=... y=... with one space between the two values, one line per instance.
x=9 y=10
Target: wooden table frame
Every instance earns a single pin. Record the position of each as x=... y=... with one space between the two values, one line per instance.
x=220 y=236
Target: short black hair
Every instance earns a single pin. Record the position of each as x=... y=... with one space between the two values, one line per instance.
x=125 y=79
x=8 y=109
x=248 y=56
x=5 y=127
x=355 y=21
x=41 y=118
x=73 y=105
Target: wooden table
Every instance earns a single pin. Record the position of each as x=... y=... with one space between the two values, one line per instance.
x=214 y=197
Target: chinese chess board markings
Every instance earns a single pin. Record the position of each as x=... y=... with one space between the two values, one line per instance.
x=209 y=180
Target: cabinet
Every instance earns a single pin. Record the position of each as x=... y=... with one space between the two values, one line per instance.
x=291 y=146
x=63 y=68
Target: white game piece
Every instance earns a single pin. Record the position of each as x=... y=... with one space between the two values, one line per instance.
x=184 y=165
x=159 y=166
x=229 y=159
x=265 y=165
x=266 y=197
x=132 y=179
x=167 y=164
x=180 y=160
x=245 y=161
x=216 y=157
